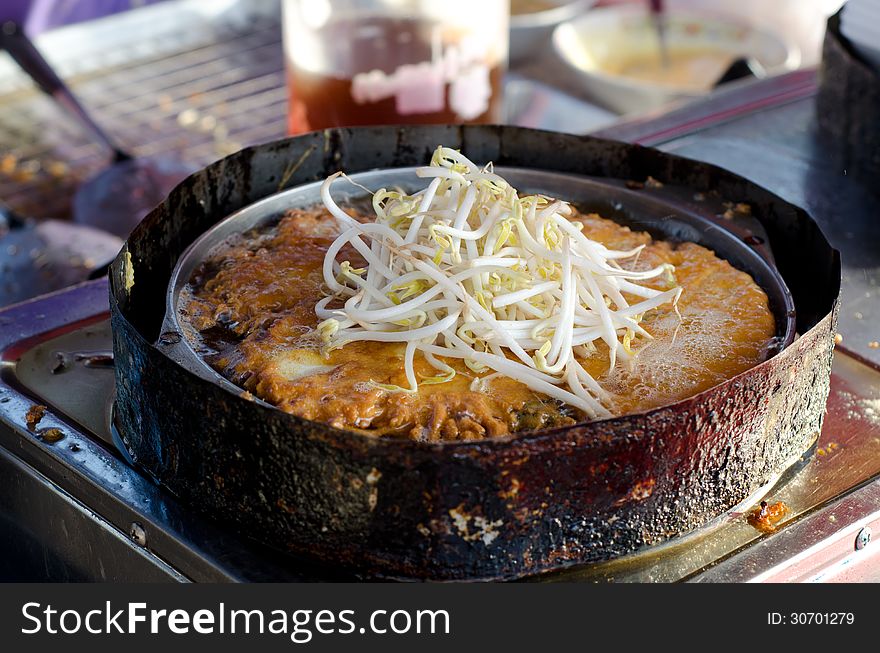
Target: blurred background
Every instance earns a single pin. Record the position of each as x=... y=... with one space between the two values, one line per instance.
x=198 y=79
x=106 y=104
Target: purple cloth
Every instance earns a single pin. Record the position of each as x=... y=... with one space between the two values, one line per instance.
x=39 y=15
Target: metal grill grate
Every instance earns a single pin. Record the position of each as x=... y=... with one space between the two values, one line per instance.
x=196 y=90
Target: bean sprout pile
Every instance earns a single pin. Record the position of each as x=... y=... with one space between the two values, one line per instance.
x=467 y=269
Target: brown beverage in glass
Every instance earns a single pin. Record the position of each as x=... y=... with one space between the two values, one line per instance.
x=381 y=68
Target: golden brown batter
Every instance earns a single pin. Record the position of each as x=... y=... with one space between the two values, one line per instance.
x=254 y=303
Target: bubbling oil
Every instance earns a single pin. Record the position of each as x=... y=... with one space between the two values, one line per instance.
x=688 y=355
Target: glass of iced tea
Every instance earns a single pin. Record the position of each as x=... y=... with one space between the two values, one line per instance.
x=371 y=62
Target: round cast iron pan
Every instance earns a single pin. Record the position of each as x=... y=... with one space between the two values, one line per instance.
x=644 y=212
x=499 y=508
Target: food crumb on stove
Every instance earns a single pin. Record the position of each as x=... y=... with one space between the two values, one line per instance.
x=650 y=182
x=57 y=168
x=732 y=209
x=634 y=185
x=8 y=164
x=767 y=516
x=838 y=338
x=828 y=449
x=874 y=345
x=34 y=415
x=187 y=117
x=51 y=435
x=871 y=409
x=60 y=363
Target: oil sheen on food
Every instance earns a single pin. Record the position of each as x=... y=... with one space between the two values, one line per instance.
x=251 y=309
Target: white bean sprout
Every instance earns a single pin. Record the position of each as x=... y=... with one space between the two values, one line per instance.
x=467 y=269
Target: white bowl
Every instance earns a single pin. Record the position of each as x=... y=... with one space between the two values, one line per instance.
x=530 y=33
x=588 y=44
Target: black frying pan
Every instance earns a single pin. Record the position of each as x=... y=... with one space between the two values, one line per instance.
x=505 y=507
